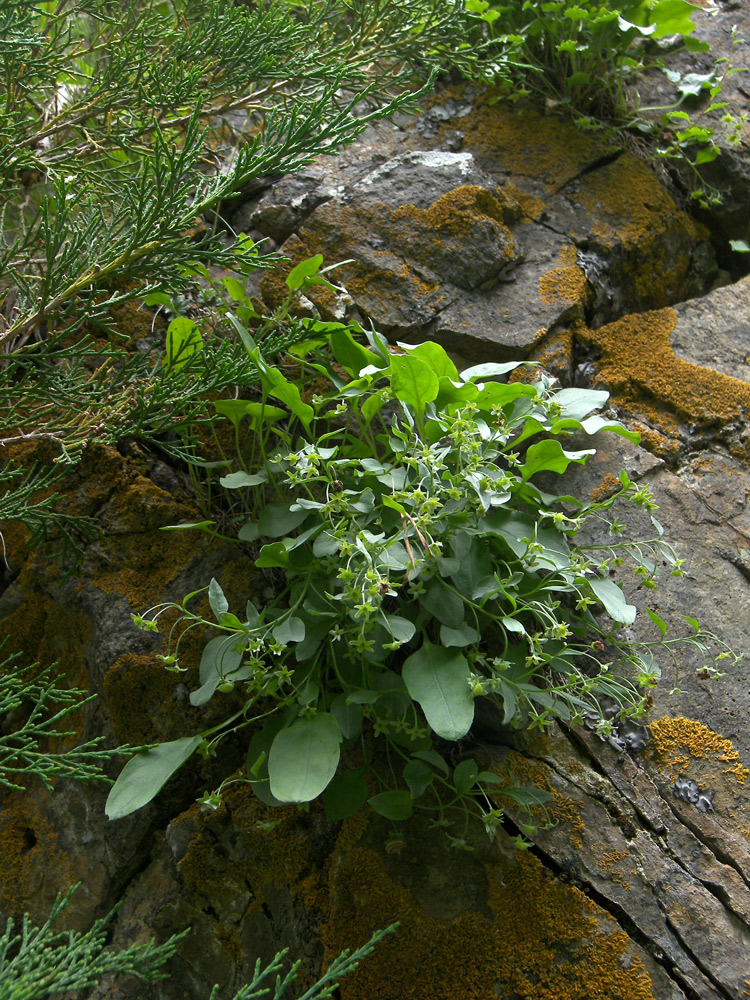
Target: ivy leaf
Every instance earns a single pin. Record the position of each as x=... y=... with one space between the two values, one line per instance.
x=146 y=774
x=438 y=679
x=304 y=758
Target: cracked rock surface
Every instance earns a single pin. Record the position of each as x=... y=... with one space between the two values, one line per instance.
x=503 y=236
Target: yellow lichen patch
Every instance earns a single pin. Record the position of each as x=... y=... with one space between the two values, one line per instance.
x=452 y=215
x=261 y=857
x=531 y=207
x=140 y=698
x=549 y=150
x=677 y=740
x=565 y=284
x=630 y=210
x=639 y=367
x=553 y=352
x=609 y=485
x=536 y=938
x=32 y=860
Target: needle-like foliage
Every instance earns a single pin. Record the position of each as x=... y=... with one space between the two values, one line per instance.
x=122 y=124
x=32 y=707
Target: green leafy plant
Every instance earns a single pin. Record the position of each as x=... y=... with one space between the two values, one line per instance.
x=419 y=567
x=579 y=54
x=123 y=130
x=38 y=962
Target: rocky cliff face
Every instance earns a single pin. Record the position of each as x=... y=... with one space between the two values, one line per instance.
x=502 y=235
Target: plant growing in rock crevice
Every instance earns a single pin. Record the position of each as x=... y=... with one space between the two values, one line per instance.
x=423 y=569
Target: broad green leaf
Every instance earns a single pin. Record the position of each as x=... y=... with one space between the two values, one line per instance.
x=303 y=272
x=352 y=355
x=235 y=289
x=183 y=341
x=158 y=299
x=578 y=403
x=489 y=369
x=442 y=603
x=238 y=480
x=220 y=661
x=464 y=635
x=474 y=566
x=146 y=774
x=658 y=621
x=513 y=625
x=418 y=777
x=594 y=424
x=395 y=805
x=435 y=357
x=257 y=760
x=438 y=679
x=513 y=527
x=276 y=554
x=465 y=775
x=510 y=700
x=289 y=630
x=413 y=382
x=348 y=715
x=217 y=600
x=345 y=795
x=401 y=629
x=672 y=17
x=549 y=456
x=431 y=757
x=233 y=409
x=280 y=388
x=304 y=758
x=740 y=246
x=613 y=600
x=276 y=520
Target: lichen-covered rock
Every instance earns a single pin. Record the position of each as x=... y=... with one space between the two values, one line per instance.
x=684 y=369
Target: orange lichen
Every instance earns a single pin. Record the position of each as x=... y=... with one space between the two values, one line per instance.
x=277 y=857
x=531 y=207
x=609 y=485
x=32 y=860
x=677 y=740
x=140 y=698
x=639 y=367
x=452 y=215
x=536 y=938
x=548 y=150
x=565 y=284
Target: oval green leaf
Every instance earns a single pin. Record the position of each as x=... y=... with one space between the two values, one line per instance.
x=304 y=758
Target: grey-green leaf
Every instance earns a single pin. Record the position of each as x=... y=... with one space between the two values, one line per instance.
x=438 y=679
x=304 y=758
x=613 y=600
x=145 y=775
